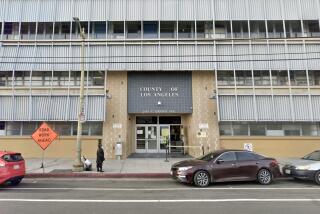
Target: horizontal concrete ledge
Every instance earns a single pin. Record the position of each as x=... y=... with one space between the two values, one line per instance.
x=97 y=175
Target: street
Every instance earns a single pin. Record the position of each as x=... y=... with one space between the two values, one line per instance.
x=83 y=196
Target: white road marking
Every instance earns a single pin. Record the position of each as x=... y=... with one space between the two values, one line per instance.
x=160 y=200
x=165 y=189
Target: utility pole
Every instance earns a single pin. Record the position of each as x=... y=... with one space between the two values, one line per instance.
x=78 y=165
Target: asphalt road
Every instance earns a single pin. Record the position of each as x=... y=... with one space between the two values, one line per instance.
x=86 y=196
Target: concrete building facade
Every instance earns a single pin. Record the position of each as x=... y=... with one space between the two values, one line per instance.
x=197 y=75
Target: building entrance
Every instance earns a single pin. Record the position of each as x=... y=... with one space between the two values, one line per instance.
x=153 y=134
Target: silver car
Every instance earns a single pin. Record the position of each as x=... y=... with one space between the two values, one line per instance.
x=306 y=168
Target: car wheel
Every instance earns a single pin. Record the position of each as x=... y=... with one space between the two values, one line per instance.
x=264 y=176
x=201 y=179
x=317 y=177
x=15 y=182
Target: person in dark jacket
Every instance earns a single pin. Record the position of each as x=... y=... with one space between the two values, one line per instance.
x=100 y=157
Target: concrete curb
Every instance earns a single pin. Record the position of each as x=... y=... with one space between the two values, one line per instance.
x=97 y=175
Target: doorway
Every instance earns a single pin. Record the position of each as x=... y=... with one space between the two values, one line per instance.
x=154 y=133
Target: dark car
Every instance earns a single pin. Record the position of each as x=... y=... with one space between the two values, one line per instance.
x=225 y=166
x=306 y=168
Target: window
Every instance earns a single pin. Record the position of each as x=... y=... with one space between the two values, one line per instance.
x=170 y=120
x=291 y=129
x=5 y=78
x=7 y=29
x=167 y=30
x=314 y=78
x=293 y=29
x=62 y=128
x=223 y=29
x=247 y=156
x=96 y=78
x=261 y=78
x=28 y=128
x=22 y=78
x=225 y=78
x=146 y=120
x=60 y=78
x=240 y=129
x=280 y=78
x=99 y=30
x=257 y=129
x=257 y=29
x=274 y=129
x=244 y=78
x=133 y=30
x=204 y=29
x=298 y=78
x=41 y=78
x=225 y=129
x=310 y=129
x=96 y=128
x=116 y=30
x=275 y=29
x=240 y=29
x=311 y=28
x=150 y=29
x=228 y=156
x=13 y=128
x=2 y=128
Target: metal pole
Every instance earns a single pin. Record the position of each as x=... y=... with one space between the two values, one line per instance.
x=78 y=166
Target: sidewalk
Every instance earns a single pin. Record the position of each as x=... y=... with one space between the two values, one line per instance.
x=129 y=168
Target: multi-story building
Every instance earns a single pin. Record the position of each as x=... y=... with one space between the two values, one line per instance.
x=203 y=74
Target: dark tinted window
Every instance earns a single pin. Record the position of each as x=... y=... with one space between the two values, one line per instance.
x=228 y=156
x=146 y=120
x=169 y=120
x=12 y=157
x=313 y=156
x=247 y=156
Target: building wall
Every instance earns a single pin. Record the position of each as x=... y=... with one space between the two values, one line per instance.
x=62 y=147
x=204 y=112
x=117 y=122
x=277 y=147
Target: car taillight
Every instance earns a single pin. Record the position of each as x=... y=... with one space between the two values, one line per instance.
x=274 y=163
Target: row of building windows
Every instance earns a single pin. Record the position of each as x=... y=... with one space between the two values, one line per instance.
x=162 y=29
x=50 y=78
x=269 y=129
x=62 y=128
x=266 y=78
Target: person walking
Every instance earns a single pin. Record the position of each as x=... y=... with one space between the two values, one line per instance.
x=100 y=157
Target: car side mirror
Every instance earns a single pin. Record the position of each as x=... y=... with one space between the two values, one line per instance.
x=219 y=161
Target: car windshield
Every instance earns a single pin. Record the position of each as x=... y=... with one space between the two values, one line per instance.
x=313 y=156
x=210 y=156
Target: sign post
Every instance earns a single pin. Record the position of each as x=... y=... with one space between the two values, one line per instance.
x=44 y=136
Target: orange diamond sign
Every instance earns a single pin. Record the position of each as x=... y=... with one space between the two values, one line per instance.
x=44 y=136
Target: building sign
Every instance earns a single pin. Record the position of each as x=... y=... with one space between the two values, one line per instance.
x=44 y=136
x=159 y=92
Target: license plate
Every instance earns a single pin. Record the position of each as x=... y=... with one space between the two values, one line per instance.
x=288 y=171
x=16 y=167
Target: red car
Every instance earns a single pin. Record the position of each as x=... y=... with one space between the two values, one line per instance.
x=12 y=167
x=226 y=166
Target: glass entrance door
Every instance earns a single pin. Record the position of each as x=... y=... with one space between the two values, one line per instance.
x=164 y=137
x=146 y=138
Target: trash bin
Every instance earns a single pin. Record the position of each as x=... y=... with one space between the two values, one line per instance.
x=118 y=150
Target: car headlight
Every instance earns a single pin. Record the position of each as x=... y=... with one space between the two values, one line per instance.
x=303 y=167
x=181 y=169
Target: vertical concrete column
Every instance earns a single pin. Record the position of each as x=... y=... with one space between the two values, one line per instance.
x=204 y=113
x=117 y=120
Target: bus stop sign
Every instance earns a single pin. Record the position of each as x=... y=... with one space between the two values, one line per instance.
x=44 y=136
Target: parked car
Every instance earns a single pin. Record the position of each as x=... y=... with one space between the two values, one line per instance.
x=225 y=166
x=306 y=168
x=12 y=167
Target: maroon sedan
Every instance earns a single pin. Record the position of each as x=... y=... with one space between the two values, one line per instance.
x=225 y=166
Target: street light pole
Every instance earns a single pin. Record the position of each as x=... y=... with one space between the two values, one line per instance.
x=78 y=165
